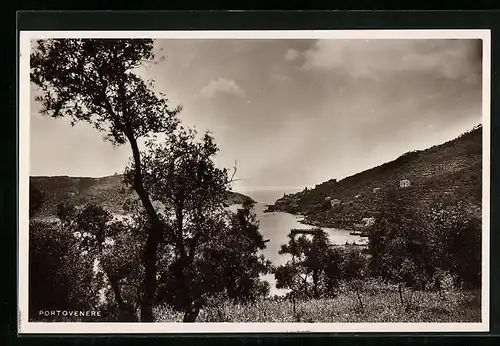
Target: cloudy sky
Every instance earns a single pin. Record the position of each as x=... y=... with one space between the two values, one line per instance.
x=293 y=112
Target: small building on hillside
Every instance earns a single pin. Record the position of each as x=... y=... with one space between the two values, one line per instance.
x=376 y=189
x=368 y=221
x=404 y=183
x=335 y=202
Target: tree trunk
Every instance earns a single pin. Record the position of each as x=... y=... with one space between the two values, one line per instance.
x=400 y=289
x=294 y=308
x=191 y=313
x=293 y=290
x=315 y=283
x=305 y=285
x=149 y=282
x=154 y=236
x=125 y=312
x=360 y=301
x=192 y=306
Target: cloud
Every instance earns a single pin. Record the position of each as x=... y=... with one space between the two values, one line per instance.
x=280 y=77
x=292 y=54
x=450 y=59
x=221 y=85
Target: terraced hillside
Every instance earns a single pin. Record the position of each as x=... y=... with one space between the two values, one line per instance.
x=110 y=192
x=452 y=169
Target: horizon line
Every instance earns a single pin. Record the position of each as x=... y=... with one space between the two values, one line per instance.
x=475 y=127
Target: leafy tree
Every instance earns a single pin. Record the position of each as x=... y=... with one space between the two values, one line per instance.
x=354 y=271
x=316 y=261
x=312 y=259
x=113 y=245
x=208 y=250
x=285 y=275
x=36 y=200
x=456 y=230
x=399 y=240
x=113 y=249
x=95 y=80
x=241 y=265
x=293 y=274
x=412 y=246
x=333 y=270
x=59 y=277
x=65 y=211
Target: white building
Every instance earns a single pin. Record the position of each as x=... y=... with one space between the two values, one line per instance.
x=335 y=202
x=404 y=183
x=368 y=221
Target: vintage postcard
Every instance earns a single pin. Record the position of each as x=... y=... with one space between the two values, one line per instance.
x=254 y=181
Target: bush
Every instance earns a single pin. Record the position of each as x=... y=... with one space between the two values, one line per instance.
x=59 y=276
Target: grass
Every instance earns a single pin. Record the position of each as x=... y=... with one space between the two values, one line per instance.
x=379 y=306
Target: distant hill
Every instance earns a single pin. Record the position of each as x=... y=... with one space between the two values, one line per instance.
x=110 y=192
x=452 y=169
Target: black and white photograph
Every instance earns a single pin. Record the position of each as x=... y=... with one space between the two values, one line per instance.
x=286 y=181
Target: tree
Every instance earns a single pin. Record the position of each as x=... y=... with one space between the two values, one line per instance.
x=333 y=270
x=112 y=244
x=456 y=241
x=293 y=275
x=400 y=240
x=241 y=265
x=59 y=277
x=316 y=261
x=413 y=246
x=354 y=271
x=112 y=248
x=310 y=261
x=95 y=80
x=36 y=200
x=208 y=250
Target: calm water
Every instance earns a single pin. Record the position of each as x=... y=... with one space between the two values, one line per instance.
x=276 y=226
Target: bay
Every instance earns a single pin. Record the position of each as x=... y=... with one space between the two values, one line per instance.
x=275 y=226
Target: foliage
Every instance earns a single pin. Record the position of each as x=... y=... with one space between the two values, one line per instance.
x=95 y=80
x=36 y=200
x=315 y=267
x=60 y=278
x=453 y=168
x=399 y=245
x=456 y=230
x=354 y=272
x=209 y=250
x=381 y=307
x=110 y=192
x=418 y=249
x=112 y=246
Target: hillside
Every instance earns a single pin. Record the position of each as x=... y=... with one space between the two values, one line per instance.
x=110 y=192
x=452 y=169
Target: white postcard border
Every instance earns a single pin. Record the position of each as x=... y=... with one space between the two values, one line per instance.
x=26 y=327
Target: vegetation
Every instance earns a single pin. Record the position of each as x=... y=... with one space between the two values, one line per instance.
x=179 y=255
x=213 y=251
x=59 y=277
x=452 y=169
x=111 y=192
x=417 y=253
x=96 y=81
x=381 y=305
